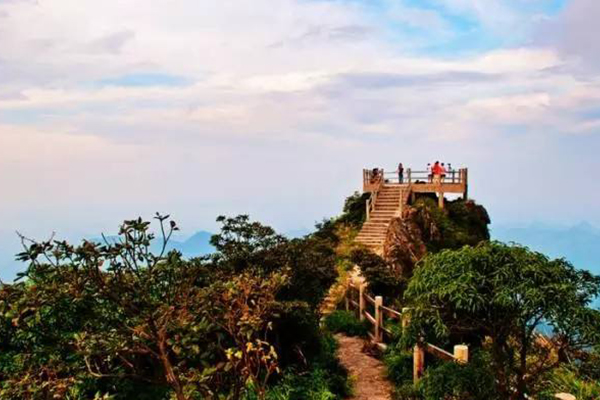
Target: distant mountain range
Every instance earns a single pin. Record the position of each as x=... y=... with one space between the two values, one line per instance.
x=579 y=244
x=196 y=245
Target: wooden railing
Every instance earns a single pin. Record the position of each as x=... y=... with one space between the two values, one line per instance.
x=451 y=176
x=373 y=199
x=410 y=177
x=358 y=300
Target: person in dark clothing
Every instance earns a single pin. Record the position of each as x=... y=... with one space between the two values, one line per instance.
x=400 y=173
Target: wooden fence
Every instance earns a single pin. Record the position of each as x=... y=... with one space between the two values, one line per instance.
x=373 y=310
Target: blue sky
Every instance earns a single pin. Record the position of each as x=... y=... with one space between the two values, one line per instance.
x=110 y=110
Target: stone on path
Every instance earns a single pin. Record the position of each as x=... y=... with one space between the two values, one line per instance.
x=565 y=396
x=368 y=373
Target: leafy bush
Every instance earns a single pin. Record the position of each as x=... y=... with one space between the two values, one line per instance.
x=345 y=322
x=245 y=245
x=460 y=223
x=119 y=320
x=325 y=379
x=567 y=380
x=505 y=293
x=383 y=279
x=355 y=209
x=442 y=380
x=453 y=381
x=399 y=366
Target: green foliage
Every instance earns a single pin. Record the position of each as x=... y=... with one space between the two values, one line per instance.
x=460 y=223
x=588 y=366
x=355 y=210
x=505 y=293
x=115 y=319
x=399 y=366
x=453 y=381
x=243 y=245
x=442 y=380
x=346 y=322
x=567 y=380
x=383 y=279
x=311 y=263
x=325 y=379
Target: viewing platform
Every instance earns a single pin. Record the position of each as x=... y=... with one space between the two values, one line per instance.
x=454 y=181
x=390 y=192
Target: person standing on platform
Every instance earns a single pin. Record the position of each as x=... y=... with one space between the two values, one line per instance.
x=436 y=171
x=443 y=172
x=400 y=173
x=429 y=173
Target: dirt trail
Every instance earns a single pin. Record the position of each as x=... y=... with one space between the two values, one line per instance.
x=368 y=373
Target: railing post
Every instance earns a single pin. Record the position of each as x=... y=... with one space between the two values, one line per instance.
x=361 y=301
x=368 y=209
x=418 y=362
x=408 y=176
x=461 y=353
x=405 y=318
x=465 y=182
x=378 y=318
x=346 y=299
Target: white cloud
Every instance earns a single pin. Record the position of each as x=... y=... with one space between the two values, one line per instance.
x=286 y=98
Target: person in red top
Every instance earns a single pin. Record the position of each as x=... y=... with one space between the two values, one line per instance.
x=436 y=171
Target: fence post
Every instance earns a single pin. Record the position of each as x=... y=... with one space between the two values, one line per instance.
x=461 y=353
x=418 y=362
x=361 y=301
x=408 y=176
x=405 y=318
x=346 y=296
x=378 y=319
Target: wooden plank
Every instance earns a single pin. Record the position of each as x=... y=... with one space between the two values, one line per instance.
x=439 y=352
x=433 y=188
x=382 y=346
x=387 y=331
x=392 y=313
x=370 y=318
x=354 y=303
x=370 y=299
x=418 y=363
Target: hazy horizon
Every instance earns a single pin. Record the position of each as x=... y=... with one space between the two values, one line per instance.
x=111 y=110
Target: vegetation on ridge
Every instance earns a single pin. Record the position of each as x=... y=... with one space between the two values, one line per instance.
x=116 y=320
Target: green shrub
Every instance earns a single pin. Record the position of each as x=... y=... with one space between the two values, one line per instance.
x=355 y=211
x=346 y=322
x=460 y=223
x=566 y=380
x=407 y=391
x=325 y=379
x=442 y=380
x=399 y=365
x=453 y=381
x=383 y=279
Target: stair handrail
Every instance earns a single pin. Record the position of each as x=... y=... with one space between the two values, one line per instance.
x=373 y=198
x=403 y=199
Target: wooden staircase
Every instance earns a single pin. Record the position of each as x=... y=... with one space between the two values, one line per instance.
x=389 y=200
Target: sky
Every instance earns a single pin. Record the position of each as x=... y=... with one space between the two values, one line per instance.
x=111 y=109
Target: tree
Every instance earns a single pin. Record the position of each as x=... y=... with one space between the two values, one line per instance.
x=500 y=297
x=115 y=318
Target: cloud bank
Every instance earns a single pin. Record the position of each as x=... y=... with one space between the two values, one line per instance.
x=113 y=109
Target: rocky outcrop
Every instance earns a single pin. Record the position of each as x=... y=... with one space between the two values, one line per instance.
x=424 y=227
x=404 y=245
